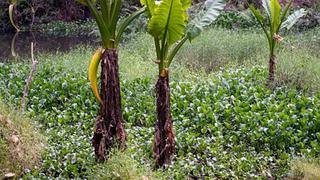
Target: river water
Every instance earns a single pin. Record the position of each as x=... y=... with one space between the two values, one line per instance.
x=13 y=46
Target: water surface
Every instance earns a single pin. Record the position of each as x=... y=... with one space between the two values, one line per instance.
x=18 y=45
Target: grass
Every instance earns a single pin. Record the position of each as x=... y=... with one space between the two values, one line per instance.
x=20 y=143
x=298 y=56
x=306 y=168
x=122 y=166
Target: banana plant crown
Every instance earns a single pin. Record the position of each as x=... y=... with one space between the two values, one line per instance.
x=107 y=18
x=277 y=19
x=168 y=24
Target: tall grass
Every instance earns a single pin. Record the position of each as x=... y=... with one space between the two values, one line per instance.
x=304 y=168
x=122 y=166
x=298 y=57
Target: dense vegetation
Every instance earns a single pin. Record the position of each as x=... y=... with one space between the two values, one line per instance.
x=218 y=116
x=227 y=123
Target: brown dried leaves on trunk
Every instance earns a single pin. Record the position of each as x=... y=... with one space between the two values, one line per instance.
x=109 y=126
x=164 y=145
x=272 y=69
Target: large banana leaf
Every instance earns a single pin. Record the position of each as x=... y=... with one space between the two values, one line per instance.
x=293 y=18
x=168 y=21
x=204 y=18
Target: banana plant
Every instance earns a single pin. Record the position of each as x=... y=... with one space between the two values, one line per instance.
x=11 y=11
x=275 y=20
x=109 y=126
x=168 y=24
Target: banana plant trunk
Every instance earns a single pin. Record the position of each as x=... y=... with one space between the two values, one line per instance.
x=272 y=69
x=164 y=145
x=109 y=127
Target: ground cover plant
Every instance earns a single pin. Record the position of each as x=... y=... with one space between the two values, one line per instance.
x=228 y=125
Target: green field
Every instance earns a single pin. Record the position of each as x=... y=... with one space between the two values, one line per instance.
x=228 y=124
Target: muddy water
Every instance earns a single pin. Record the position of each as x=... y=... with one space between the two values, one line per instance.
x=18 y=45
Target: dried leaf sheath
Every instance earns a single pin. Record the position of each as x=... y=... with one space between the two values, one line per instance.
x=164 y=145
x=109 y=126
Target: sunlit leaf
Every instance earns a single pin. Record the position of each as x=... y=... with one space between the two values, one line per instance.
x=275 y=11
x=168 y=20
x=293 y=18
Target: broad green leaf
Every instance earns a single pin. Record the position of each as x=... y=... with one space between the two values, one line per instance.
x=206 y=17
x=293 y=18
x=168 y=21
x=150 y=4
x=275 y=11
x=186 y=4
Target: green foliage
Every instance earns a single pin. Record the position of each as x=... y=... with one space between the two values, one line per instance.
x=275 y=20
x=107 y=17
x=231 y=126
x=236 y=20
x=168 y=22
x=62 y=28
x=219 y=48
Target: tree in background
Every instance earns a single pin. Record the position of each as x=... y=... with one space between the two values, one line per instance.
x=275 y=20
x=168 y=24
x=109 y=126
